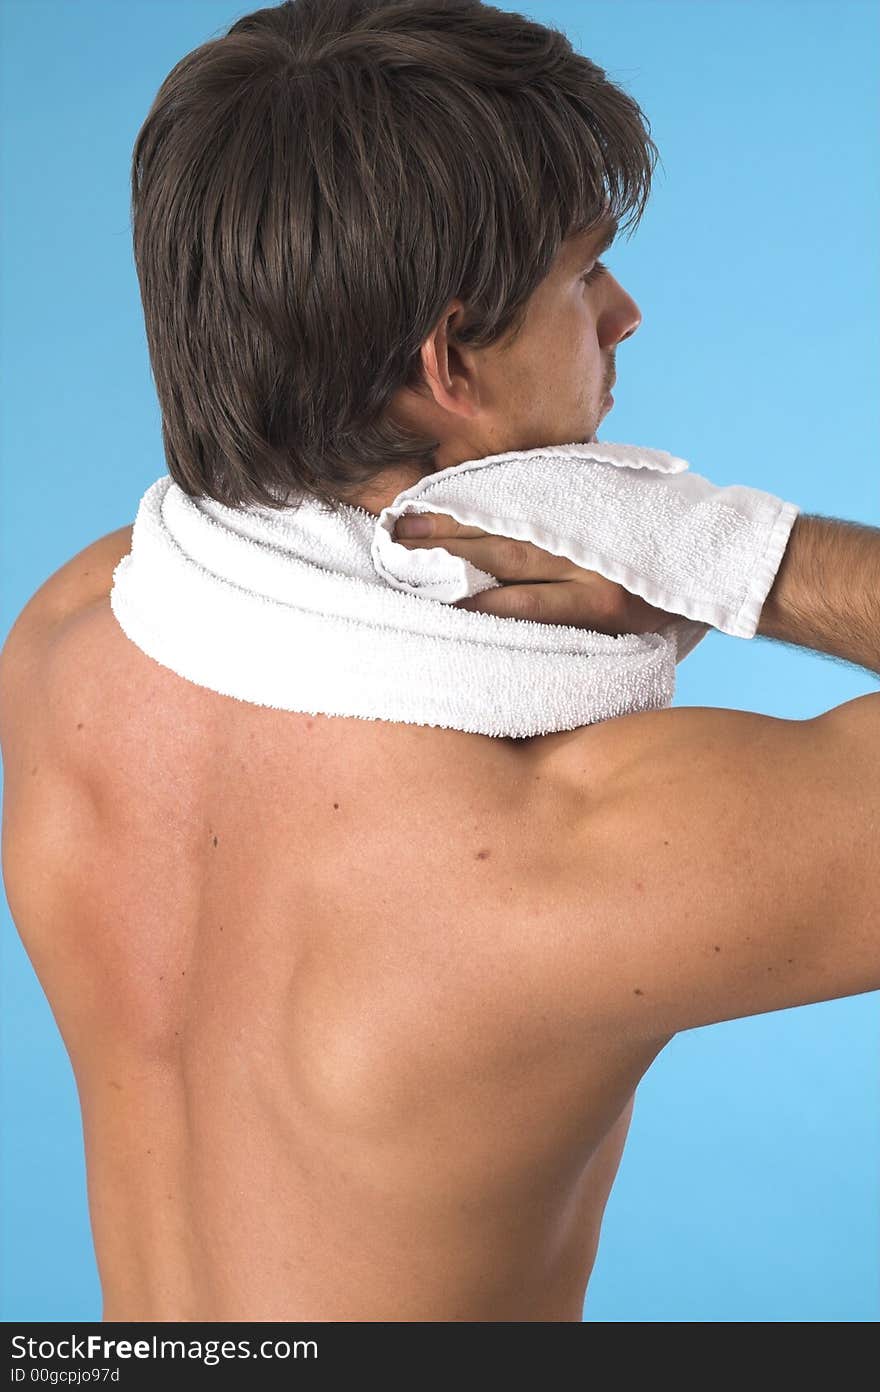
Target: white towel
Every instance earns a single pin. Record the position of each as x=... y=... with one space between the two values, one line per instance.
x=302 y=610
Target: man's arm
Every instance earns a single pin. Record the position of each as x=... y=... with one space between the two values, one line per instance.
x=826 y=595
x=741 y=852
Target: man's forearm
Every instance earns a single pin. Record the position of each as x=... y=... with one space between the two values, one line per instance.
x=826 y=594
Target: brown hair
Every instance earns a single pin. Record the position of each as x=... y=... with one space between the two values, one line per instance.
x=311 y=189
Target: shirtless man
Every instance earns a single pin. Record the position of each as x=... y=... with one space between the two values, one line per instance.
x=357 y=1010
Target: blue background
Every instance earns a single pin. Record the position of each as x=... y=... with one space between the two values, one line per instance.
x=749 y=1187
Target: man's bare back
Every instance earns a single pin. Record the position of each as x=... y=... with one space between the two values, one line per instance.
x=300 y=965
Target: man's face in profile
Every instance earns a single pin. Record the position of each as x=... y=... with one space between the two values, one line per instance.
x=551 y=385
x=548 y=385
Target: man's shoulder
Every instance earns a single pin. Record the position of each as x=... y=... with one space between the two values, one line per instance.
x=633 y=807
x=87 y=576
x=602 y=755
x=35 y=676
x=654 y=780
x=78 y=583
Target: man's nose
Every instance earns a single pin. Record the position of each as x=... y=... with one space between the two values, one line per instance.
x=623 y=314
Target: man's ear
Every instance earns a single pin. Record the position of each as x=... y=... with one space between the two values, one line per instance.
x=450 y=371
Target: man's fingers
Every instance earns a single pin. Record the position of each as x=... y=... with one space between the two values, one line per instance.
x=504 y=557
x=551 y=603
x=565 y=602
x=538 y=586
x=439 y=524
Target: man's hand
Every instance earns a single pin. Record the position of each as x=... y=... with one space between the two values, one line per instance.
x=537 y=585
